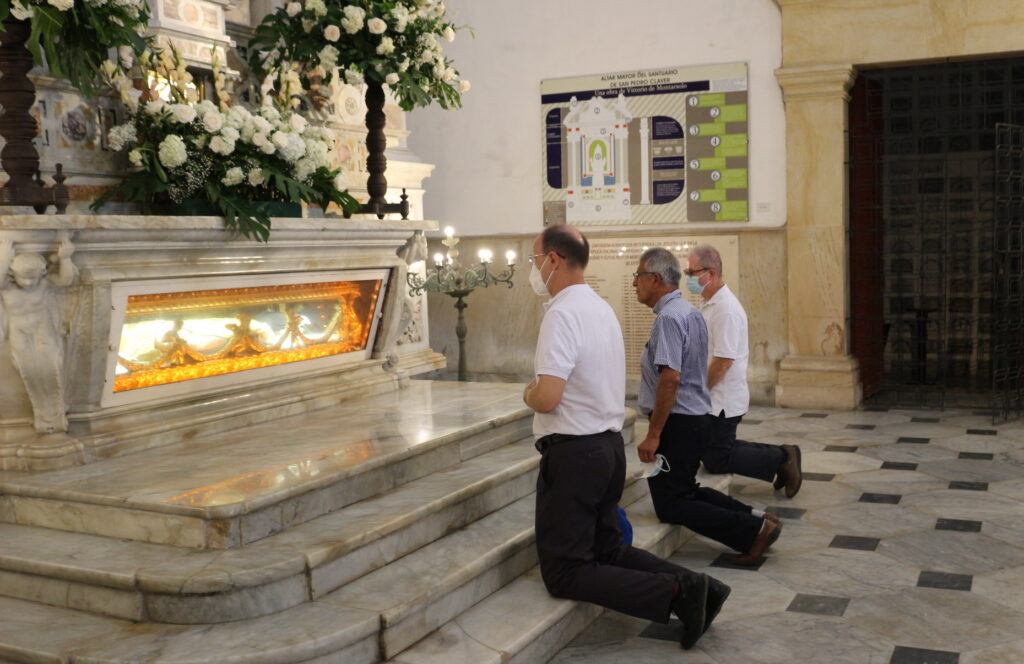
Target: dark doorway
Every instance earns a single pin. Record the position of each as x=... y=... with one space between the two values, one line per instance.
x=927 y=326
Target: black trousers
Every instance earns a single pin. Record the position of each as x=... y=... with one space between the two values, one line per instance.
x=679 y=499
x=578 y=539
x=725 y=454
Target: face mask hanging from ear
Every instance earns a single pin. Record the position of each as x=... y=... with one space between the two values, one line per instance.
x=538 y=282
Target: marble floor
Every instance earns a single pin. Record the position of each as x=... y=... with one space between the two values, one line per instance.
x=905 y=545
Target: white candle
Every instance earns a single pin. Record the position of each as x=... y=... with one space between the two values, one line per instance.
x=449 y=232
x=510 y=257
x=439 y=259
x=485 y=255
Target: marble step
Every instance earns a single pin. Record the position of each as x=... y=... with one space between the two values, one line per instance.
x=142 y=581
x=367 y=621
x=239 y=487
x=522 y=623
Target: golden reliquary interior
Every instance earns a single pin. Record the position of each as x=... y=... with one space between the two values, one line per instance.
x=173 y=337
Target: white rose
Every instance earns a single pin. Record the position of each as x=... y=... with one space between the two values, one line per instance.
x=183 y=113
x=204 y=107
x=297 y=122
x=280 y=139
x=135 y=157
x=449 y=34
x=332 y=33
x=391 y=78
x=375 y=26
x=464 y=85
x=261 y=124
x=268 y=148
x=293 y=8
x=172 y=152
x=213 y=121
x=154 y=107
x=233 y=176
x=449 y=75
x=353 y=21
x=256 y=177
x=386 y=46
x=221 y=145
x=229 y=133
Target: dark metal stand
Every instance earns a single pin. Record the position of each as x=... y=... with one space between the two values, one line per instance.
x=376 y=162
x=19 y=157
x=460 y=329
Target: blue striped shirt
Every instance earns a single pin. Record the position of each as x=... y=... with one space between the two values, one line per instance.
x=679 y=341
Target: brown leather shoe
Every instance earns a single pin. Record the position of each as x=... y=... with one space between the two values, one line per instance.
x=770 y=532
x=791 y=471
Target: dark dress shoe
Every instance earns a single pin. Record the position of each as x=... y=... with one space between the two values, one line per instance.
x=718 y=592
x=690 y=607
x=791 y=471
x=769 y=532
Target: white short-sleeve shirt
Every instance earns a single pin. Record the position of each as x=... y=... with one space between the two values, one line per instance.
x=580 y=341
x=727 y=335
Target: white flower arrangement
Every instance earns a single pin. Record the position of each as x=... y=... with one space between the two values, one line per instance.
x=230 y=155
x=389 y=42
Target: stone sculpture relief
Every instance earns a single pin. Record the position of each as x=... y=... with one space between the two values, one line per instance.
x=30 y=323
x=410 y=326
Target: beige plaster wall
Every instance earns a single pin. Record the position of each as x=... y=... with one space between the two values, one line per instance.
x=503 y=322
x=890 y=31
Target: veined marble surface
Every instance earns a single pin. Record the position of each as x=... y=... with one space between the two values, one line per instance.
x=247 y=468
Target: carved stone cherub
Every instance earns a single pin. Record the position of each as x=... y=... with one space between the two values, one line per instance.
x=30 y=322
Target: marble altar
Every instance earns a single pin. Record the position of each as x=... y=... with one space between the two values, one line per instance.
x=124 y=258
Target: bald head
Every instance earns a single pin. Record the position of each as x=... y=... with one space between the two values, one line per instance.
x=568 y=242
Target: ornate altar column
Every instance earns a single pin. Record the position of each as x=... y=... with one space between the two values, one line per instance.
x=819 y=371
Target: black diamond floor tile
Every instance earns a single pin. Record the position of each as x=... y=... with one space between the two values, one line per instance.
x=814 y=415
x=982 y=432
x=840 y=448
x=726 y=560
x=898 y=465
x=860 y=427
x=977 y=455
x=822 y=605
x=967 y=486
x=925 y=420
x=854 y=542
x=944 y=580
x=786 y=512
x=912 y=439
x=960 y=525
x=886 y=498
x=819 y=477
x=905 y=655
x=671 y=631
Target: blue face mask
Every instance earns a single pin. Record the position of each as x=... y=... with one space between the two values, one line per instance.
x=693 y=285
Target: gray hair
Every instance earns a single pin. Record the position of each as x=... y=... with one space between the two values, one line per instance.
x=708 y=257
x=661 y=262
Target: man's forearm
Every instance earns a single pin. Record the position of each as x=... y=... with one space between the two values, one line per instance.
x=717 y=369
x=664 y=399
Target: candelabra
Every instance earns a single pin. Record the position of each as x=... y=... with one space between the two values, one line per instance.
x=448 y=276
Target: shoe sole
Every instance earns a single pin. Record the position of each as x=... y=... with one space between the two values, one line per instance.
x=746 y=561
x=686 y=641
x=800 y=472
x=713 y=610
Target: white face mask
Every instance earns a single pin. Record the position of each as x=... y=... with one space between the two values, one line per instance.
x=659 y=465
x=539 y=283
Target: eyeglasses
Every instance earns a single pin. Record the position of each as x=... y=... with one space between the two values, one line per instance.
x=637 y=275
x=533 y=259
x=691 y=273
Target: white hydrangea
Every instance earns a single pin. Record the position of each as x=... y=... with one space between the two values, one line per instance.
x=317 y=7
x=403 y=65
x=449 y=75
x=221 y=145
x=376 y=26
x=270 y=113
x=120 y=136
x=172 y=152
x=236 y=117
x=256 y=177
x=329 y=57
x=135 y=157
x=332 y=33
x=353 y=21
x=233 y=176
x=464 y=85
x=229 y=134
x=295 y=148
x=213 y=121
x=386 y=46
x=62 y=5
x=293 y=8
x=401 y=16
x=391 y=78
x=183 y=113
x=353 y=77
x=303 y=168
